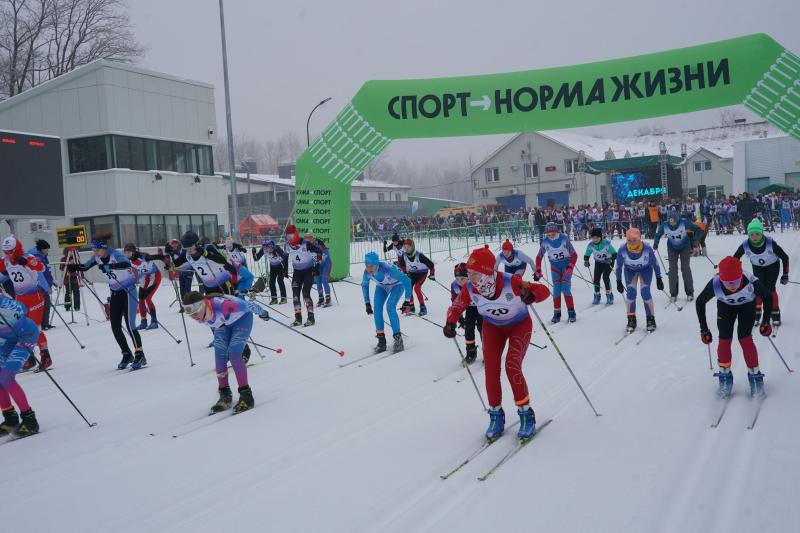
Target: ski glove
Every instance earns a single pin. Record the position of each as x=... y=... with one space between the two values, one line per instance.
x=660 y=284
x=432 y=277
x=765 y=329
x=264 y=316
x=105 y=267
x=537 y=275
x=586 y=264
x=568 y=271
x=705 y=336
x=20 y=260
x=527 y=296
x=784 y=279
x=449 y=330
x=620 y=287
x=369 y=308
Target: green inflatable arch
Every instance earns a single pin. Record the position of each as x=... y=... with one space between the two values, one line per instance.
x=753 y=70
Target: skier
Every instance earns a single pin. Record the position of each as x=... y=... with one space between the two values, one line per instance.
x=231 y=319
x=471 y=318
x=636 y=264
x=301 y=255
x=514 y=261
x=19 y=335
x=123 y=302
x=323 y=275
x=502 y=300
x=71 y=282
x=278 y=269
x=736 y=293
x=764 y=253
x=604 y=257
x=149 y=278
x=679 y=246
x=397 y=246
x=237 y=255
x=214 y=271
x=390 y=284
x=174 y=250
x=23 y=271
x=562 y=257
x=40 y=252
x=786 y=213
x=418 y=267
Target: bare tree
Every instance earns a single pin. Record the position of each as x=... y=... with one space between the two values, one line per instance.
x=43 y=39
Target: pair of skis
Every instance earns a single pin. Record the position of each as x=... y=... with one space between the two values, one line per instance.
x=726 y=402
x=503 y=460
x=646 y=333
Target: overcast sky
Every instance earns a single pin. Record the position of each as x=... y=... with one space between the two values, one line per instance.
x=286 y=56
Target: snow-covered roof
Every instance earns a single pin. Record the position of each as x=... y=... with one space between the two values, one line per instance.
x=276 y=180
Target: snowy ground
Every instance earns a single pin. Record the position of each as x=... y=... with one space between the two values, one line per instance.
x=361 y=448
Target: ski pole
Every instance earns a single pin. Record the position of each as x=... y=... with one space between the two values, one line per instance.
x=589 y=283
x=102 y=305
x=795 y=282
x=30 y=351
x=710 y=261
x=471 y=377
x=261 y=355
x=173 y=303
x=666 y=270
x=779 y=354
x=333 y=288
x=561 y=355
x=436 y=281
x=590 y=275
x=161 y=326
x=340 y=352
x=253 y=297
x=460 y=335
x=710 y=364
x=183 y=319
x=276 y=350
x=67 y=325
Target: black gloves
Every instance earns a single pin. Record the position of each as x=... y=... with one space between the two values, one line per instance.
x=620 y=287
x=369 y=308
x=660 y=284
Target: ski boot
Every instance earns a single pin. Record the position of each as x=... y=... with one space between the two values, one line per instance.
x=673 y=298
x=776 y=318
x=320 y=301
x=29 y=363
x=142 y=325
x=225 y=401
x=310 y=321
x=609 y=298
x=527 y=423
x=127 y=359
x=423 y=310
x=246 y=353
x=725 y=382
x=210 y=344
x=756 y=380
x=139 y=360
x=273 y=301
x=571 y=317
x=246 y=401
x=153 y=322
x=298 y=320
x=689 y=296
x=284 y=300
x=28 y=426
x=328 y=302
x=45 y=360
x=497 y=424
x=398 y=343
x=10 y=422
x=381 y=347
x=596 y=298
x=651 y=323
x=412 y=309
x=472 y=353
x=556 y=317
x=631 y=324
x=757 y=317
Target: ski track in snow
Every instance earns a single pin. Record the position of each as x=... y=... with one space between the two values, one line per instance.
x=361 y=448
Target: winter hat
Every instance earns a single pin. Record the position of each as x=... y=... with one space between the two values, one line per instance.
x=409 y=244
x=371 y=259
x=460 y=270
x=174 y=243
x=9 y=243
x=755 y=227
x=673 y=217
x=189 y=239
x=481 y=260
x=508 y=246
x=730 y=269
x=551 y=228
x=395 y=237
x=130 y=247
x=42 y=244
x=290 y=228
x=229 y=243
x=633 y=234
x=596 y=232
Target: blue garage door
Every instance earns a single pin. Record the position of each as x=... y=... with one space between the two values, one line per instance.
x=756 y=184
x=514 y=201
x=553 y=199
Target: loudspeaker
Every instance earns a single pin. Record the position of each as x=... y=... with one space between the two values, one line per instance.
x=702 y=191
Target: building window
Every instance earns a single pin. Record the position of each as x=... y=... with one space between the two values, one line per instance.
x=570 y=166
x=90 y=153
x=282 y=196
x=362 y=196
x=165 y=158
x=484 y=193
x=127 y=229
x=144 y=231
x=398 y=197
x=492 y=174
x=703 y=165
x=531 y=170
x=381 y=197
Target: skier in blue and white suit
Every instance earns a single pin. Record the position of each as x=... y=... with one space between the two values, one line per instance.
x=636 y=263
x=391 y=283
x=514 y=261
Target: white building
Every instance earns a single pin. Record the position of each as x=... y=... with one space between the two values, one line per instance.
x=136 y=152
x=762 y=162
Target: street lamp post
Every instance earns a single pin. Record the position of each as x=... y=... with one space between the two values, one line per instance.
x=308 y=122
x=229 y=124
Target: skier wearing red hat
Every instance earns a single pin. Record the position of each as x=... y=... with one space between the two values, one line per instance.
x=418 y=267
x=736 y=294
x=471 y=318
x=514 y=261
x=502 y=301
x=301 y=256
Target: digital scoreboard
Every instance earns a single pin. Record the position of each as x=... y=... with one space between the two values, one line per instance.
x=31 y=176
x=71 y=236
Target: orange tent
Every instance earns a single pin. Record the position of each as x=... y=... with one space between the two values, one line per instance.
x=258 y=225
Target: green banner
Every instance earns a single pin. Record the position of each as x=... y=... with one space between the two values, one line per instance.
x=754 y=70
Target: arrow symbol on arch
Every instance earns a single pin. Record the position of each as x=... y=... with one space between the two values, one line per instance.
x=485 y=103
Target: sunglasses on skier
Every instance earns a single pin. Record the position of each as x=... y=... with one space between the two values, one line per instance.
x=194 y=309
